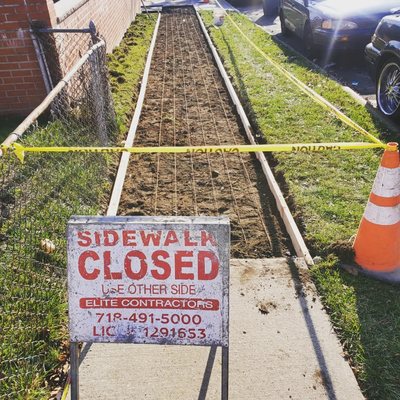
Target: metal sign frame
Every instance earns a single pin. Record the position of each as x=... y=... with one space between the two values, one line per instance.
x=85 y=225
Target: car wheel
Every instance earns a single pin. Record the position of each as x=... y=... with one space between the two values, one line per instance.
x=284 y=29
x=388 y=88
x=308 y=40
x=270 y=7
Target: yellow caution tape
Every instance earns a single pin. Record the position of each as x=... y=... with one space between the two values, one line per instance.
x=306 y=89
x=66 y=390
x=20 y=150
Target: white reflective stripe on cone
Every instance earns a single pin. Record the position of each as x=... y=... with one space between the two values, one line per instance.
x=382 y=215
x=387 y=182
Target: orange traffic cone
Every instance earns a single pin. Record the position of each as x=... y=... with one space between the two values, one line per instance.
x=377 y=245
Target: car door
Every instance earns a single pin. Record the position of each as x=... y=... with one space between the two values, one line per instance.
x=296 y=14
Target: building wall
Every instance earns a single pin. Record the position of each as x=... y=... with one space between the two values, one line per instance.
x=112 y=19
x=21 y=83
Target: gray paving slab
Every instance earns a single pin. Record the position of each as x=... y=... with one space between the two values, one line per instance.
x=282 y=346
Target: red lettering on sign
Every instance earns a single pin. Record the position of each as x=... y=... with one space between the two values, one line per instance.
x=110 y=238
x=84 y=239
x=82 y=265
x=128 y=265
x=180 y=263
x=187 y=239
x=148 y=238
x=129 y=238
x=104 y=331
x=161 y=264
x=107 y=270
x=97 y=238
x=150 y=303
x=207 y=237
x=213 y=267
x=171 y=238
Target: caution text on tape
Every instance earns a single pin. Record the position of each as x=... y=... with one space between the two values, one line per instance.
x=303 y=87
x=20 y=150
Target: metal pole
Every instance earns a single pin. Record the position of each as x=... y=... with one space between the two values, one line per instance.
x=93 y=32
x=62 y=30
x=42 y=63
x=74 y=354
x=147 y=11
x=225 y=373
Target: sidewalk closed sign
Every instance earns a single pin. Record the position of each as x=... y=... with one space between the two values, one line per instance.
x=161 y=280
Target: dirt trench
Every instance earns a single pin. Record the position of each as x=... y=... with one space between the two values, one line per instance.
x=187 y=104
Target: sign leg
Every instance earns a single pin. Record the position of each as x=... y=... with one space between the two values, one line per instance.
x=225 y=373
x=74 y=354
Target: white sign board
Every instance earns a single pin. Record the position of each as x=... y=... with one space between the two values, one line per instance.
x=158 y=280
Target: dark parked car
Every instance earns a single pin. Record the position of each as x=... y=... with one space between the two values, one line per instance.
x=383 y=55
x=245 y=3
x=334 y=24
x=271 y=7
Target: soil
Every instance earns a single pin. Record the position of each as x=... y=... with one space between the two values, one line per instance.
x=186 y=104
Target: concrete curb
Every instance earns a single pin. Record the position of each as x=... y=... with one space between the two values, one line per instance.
x=123 y=163
x=285 y=213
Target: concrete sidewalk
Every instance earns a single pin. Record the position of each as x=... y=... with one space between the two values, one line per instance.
x=281 y=347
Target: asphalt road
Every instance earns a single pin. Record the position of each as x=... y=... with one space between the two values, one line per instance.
x=348 y=69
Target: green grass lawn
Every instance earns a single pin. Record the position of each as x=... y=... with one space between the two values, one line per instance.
x=36 y=200
x=327 y=192
x=126 y=65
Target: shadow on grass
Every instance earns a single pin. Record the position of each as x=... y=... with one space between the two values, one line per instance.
x=269 y=208
x=7 y=125
x=241 y=91
x=378 y=309
x=387 y=128
x=365 y=313
x=369 y=325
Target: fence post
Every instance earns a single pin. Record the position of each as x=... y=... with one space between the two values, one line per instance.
x=44 y=69
x=97 y=94
x=74 y=355
x=225 y=373
x=93 y=32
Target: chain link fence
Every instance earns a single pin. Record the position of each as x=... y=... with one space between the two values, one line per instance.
x=37 y=198
x=60 y=49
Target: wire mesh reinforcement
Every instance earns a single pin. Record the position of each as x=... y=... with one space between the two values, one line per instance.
x=36 y=200
x=187 y=104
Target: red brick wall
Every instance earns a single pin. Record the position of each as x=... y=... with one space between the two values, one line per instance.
x=21 y=83
x=112 y=18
